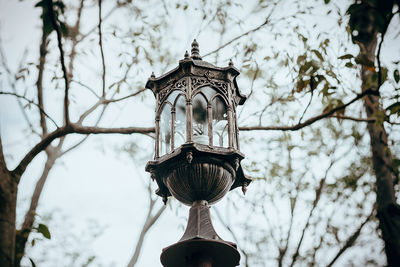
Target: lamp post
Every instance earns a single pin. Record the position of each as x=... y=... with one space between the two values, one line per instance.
x=197 y=157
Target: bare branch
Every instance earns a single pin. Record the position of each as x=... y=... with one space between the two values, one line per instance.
x=30 y=102
x=318 y=193
x=149 y=221
x=103 y=101
x=340 y=117
x=39 y=82
x=107 y=101
x=62 y=59
x=90 y=110
x=310 y=121
x=99 y=130
x=308 y=105
x=87 y=87
x=103 y=77
x=350 y=241
x=86 y=137
x=68 y=129
x=83 y=36
x=237 y=38
x=235 y=238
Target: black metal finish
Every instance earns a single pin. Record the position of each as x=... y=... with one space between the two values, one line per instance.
x=200 y=241
x=198 y=172
x=197 y=157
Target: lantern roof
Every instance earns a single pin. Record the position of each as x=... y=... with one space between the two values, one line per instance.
x=195 y=66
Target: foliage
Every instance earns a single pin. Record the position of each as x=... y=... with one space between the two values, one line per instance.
x=313 y=198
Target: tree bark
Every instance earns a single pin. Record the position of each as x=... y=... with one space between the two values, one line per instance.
x=388 y=211
x=8 y=202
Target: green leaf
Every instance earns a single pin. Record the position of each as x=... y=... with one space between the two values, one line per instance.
x=349 y=65
x=347 y=56
x=318 y=54
x=327 y=1
x=44 y=230
x=396 y=76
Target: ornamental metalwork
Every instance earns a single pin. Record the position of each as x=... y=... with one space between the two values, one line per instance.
x=197 y=157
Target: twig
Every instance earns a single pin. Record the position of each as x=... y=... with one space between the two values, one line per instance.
x=340 y=117
x=350 y=241
x=103 y=77
x=310 y=121
x=235 y=238
x=30 y=102
x=62 y=59
x=86 y=137
x=87 y=87
x=165 y=7
x=83 y=36
x=107 y=101
x=238 y=37
x=318 y=193
x=308 y=105
x=149 y=221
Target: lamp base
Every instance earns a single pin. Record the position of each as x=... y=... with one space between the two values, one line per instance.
x=200 y=245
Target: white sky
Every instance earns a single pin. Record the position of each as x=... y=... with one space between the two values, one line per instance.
x=96 y=182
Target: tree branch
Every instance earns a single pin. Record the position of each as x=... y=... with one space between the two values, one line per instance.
x=62 y=59
x=39 y=82
x=350 y=241
x=235 y=238
x=310 y=121
x=308 y=105
x=103 y=78
x=87 y=87
x=318 y=193
x=83 y=139
x=150 y=220
x=340 y=117
x=32 y=103
x=107 y=101
x=238 y=37
x=68 y=129
x=83 y=36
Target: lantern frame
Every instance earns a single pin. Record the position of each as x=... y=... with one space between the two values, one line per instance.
x=190 y=79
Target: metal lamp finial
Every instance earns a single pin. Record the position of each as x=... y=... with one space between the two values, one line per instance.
x=195 y=50
x=186 y=55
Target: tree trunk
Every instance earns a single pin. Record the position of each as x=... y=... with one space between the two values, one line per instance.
x=8 y=202
x=388 y=212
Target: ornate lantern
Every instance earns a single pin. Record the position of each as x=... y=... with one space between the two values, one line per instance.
x=197 y=157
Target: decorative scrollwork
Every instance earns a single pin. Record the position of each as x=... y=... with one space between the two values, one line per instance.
x=179 y=85
x=201 y=81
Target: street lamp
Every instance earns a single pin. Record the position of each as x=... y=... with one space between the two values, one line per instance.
x=197 y=157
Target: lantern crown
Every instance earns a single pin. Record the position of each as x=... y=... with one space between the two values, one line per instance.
x=194 y=65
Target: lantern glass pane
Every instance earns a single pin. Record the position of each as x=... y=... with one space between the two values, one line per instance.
x=219 y=122
x=200 y=121
x=165 y=130
x=180 y=121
